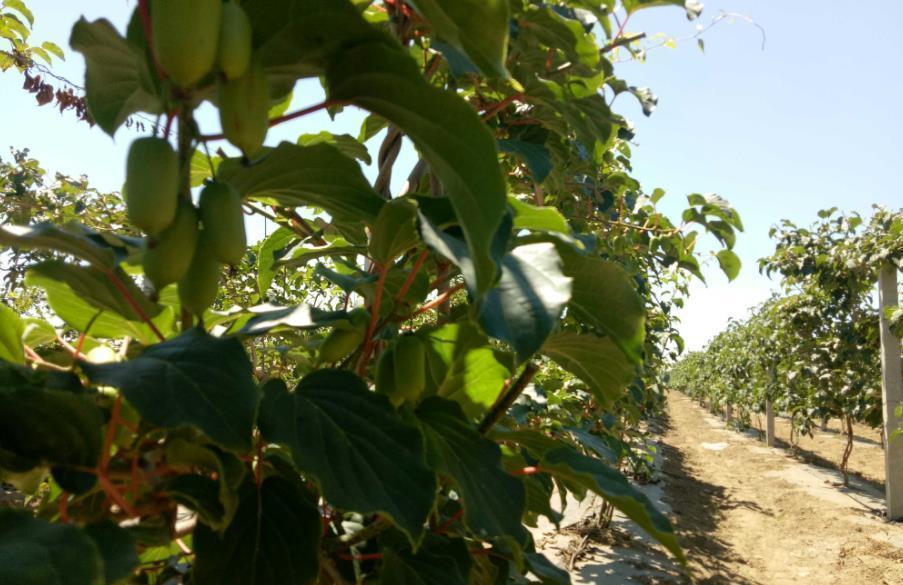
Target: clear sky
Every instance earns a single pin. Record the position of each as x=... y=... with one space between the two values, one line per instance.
x=810 y=122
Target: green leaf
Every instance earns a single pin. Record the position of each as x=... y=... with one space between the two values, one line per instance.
x=78 y=313
x=462 y=366
x=96 y=287
x=692 y=7
x=537 y=156
x=274 y=539
x=595 y=360
x=493 y=500
x=36 y=552
x=220 y=503
x=594 y=475
x=47 y=419
x=548 y=573
x=347 y=144
x=354 y=443
x=525 y=305
x=563 y=34
x=478 y=28
x=12 y=329
x=45 y=236
x=37 y=332
x=117 y=549
x=200 y=494
x=274 y=247
x=200 y=167
x=269 y=317
x=439 y=561
x=604 y=297
x=395 y=231
x=118 y=82
x=729 y=262
x=318 y=176
x=452 y=138
x=21 y=8
x=192 y=380
x=54 y=49
x=542 y=219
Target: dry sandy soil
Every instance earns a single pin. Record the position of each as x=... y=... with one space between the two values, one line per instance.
x=746 y=515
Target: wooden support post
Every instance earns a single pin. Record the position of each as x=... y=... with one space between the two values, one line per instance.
x=892 y=393
x=729 y=412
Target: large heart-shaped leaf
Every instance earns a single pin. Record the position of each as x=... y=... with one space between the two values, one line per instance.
x=317 y=176
x=353 y=442
x=192 y=380
x=477 y=28
x=493 y=500
x=595 y=360
x=117 y=80
x=37 y=552
x=274 y=539
x=459 y=148
x=47 y=419
x=526 y=303
x=604 y=296
x=596 y=476
x=11 y=330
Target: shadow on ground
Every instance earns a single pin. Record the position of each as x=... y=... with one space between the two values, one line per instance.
x=698 y=507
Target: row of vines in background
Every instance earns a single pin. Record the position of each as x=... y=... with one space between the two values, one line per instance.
x=391 y=386
x=813 y=350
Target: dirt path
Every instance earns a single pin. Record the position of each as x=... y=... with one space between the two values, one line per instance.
x=753 y=515
x=747 y=515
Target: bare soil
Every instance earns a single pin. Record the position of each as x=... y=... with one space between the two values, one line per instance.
x=746 y=514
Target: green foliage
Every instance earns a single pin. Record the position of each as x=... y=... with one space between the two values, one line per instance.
x=389 y=386
x=814 y=349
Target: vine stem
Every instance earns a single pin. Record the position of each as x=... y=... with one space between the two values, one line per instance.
x=133 y=303
x=284 y=118
x=498 y=107
x=507 y=399
x=410 y=279
x=374 y=318
x=439 y=301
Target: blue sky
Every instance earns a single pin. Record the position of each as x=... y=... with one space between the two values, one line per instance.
x=809 y=122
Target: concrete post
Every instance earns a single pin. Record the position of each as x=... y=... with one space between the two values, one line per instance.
x=769 y=423
x=769 y=409
x=892 y=393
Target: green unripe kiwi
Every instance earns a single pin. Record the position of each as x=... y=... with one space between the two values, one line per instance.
x=168 y=255
x=186 y=37
x=339 y=344
x=199 y=285
x=401 y=370
x=244 y=104
x=410 y=367
x=385 y=376
x=234 y=41
x=151 y=184
x=224 y=222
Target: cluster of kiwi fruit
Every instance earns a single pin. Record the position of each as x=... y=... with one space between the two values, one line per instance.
x=186 y=244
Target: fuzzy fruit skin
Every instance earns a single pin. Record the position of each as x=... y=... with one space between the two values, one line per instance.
x=401 y=371
x=234 y=41
x=186 y=37
x=244 y=105
x=385 y=376
x=339 y=344
x=168 y=256
x=151 y=184
x=224 y=222
x=410 y=367
x=198 y=287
